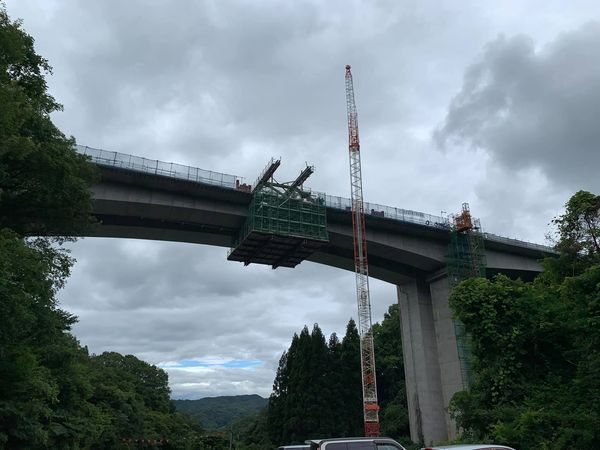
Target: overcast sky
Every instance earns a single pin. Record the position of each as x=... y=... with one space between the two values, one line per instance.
x=495 y=103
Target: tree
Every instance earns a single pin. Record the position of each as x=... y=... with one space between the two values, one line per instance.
x=44 y=183
x=44 y=191
x=391 y=387
x=579 y=226
x=536 y=346
x=252 y=433
x=317 y=388
x=336 y=420
x=303 y=395
x=351 y=390
x=577 y=236
x=536 y=361
x=44 y=373
x=134 y=397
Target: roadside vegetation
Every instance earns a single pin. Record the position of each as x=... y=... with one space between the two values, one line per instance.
x=536 y=346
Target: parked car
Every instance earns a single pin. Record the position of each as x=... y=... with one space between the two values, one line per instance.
x=294 y=447
x=357 y=443
x=470 y=447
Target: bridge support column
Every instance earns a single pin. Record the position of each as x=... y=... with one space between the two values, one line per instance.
x=449 y=363
x=421 y=364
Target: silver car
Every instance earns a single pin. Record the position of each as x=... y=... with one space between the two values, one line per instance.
x=357 y=443
x=470 y=447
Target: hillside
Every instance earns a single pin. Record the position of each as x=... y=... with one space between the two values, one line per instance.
x=220 y=412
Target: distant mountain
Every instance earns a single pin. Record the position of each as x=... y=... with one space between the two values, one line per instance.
x=219 y=412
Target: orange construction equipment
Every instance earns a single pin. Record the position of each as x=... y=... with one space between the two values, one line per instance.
x=463 y=222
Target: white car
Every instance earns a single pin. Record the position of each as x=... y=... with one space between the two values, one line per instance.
x=470 y=447
x=357 y=443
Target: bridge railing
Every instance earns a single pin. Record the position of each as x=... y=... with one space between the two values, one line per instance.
x=518 y=242
x=179 y=171
x=153 y=166
x=374 y=209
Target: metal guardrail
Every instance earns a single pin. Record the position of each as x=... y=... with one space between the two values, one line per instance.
x=518 y=243
x=193 y=174
x=374 y=209
x=156 y=167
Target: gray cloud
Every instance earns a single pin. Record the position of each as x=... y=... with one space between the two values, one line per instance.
x=226 y=85
x=171 y=302
x=534 y=107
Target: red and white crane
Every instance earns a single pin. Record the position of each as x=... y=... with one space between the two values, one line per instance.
x=365 y=328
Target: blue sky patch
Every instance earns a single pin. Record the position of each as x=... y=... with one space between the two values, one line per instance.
x=230 y=364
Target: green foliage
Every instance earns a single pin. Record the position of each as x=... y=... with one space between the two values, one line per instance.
x=579 y=226
x=251 y=433
x=351 y=386
x=44 y=183
x=317 y=390
x=391 y=387
x=134 y=399
x=220 y=412
x=53 y=394
x=536 y=347
x=34 y=333
x=299 y=405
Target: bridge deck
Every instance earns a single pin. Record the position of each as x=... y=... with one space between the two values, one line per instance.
x=230 y=182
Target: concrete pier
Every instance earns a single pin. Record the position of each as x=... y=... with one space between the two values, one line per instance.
x=431 y=363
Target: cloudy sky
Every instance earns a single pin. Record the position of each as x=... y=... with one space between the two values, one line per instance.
x=496 y=103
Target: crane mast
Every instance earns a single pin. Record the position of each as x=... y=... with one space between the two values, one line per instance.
x=365 y=329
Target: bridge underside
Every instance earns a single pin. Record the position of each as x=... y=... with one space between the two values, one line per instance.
x=274 y=250
x=139 y=205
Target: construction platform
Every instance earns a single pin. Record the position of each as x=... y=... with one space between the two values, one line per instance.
x=273 y=250
x=285 y=225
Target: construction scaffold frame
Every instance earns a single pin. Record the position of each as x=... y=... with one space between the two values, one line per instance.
x=465 y=259
x=285 y=223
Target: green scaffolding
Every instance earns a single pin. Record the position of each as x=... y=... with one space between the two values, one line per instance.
x=465 y=259
x=275 y=212
x=285 y=225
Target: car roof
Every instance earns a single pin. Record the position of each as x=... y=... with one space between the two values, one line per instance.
x=346 y=439
x=469 y=447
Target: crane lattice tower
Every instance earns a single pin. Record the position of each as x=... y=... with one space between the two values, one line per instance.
x=365 y=329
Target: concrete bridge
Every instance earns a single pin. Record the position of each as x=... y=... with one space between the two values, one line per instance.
x=148 y=199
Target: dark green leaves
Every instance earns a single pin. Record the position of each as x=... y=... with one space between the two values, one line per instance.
x=318 y=389
x=536 y=346
x=579 y=226
x=44 y=183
